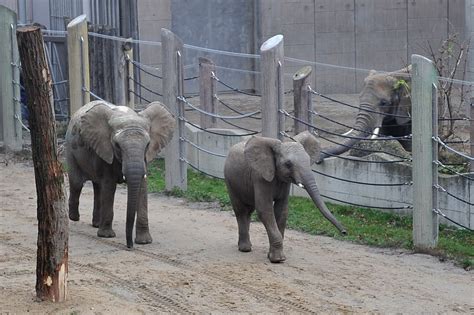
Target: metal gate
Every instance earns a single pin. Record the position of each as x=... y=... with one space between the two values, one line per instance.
x=61 y=12
x=105 y=12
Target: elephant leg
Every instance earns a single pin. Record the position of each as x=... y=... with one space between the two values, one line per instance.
x=264 y=205
x=242 y=214
x=75 y=188
x=96 y=211
x=142 y=229
x=281 y=214
x=107 y=193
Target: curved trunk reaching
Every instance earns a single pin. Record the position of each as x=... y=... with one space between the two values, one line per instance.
x=310 y=185
x=364 y=125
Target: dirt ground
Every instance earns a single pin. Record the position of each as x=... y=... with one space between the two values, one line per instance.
x=193 y=265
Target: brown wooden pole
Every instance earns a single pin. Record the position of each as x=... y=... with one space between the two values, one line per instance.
x=301 y=80
x=53 y=229
x=207 y=89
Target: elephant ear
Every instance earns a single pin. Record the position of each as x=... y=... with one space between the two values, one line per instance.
x=161 y=124
x=96 y=131
x=310 y=144
x=260 y=155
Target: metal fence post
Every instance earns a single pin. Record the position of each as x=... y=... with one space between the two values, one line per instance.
x=302 y=98
x=172 y=50
x=10 y=106
x=471 y=138
x=78 y=63
x=272 y=55
x=207 y=90
x=425 y=173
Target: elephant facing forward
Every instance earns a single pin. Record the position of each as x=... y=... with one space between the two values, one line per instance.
x=110 y=144
x=258 y=174
x=384 y=105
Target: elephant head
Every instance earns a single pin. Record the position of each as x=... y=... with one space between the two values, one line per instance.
x=133 y=140
x=289 y=162
x=385 y=98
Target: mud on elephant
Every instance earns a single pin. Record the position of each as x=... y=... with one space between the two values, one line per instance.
x=110 y=144
x=259 y=173
x=384 y=108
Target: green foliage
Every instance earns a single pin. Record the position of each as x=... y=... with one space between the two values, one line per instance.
x=364 y=226
x=401 y=84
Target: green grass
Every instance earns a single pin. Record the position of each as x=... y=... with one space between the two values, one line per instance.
x=364 y=226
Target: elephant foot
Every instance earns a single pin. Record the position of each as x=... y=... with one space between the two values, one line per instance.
x=95 y=224
x=276 y=255
x=105 y=232
x=245 y=246
x=143 y=237
x=74 y=215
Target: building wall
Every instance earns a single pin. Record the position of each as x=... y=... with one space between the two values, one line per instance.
x=365 y=34
x=11 y=4
x=469 y=29
x=220 y=25
x=153 y=15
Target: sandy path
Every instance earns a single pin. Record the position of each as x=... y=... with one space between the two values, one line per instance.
x=193 y=265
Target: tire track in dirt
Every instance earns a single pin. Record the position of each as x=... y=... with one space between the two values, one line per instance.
x=155 y=299
x=287 y=304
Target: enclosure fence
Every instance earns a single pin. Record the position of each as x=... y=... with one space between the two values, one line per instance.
x=190 y=144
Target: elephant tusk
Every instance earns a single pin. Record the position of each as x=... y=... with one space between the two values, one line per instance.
x=375 y=133
x=300 y=185
x=123 y=177
x=348 y=132
x=144 y=176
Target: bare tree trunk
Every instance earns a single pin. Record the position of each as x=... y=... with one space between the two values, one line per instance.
x=53 y=229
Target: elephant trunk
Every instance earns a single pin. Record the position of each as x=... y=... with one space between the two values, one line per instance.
x=309 y=184
x=134 y=173
x=366 y=122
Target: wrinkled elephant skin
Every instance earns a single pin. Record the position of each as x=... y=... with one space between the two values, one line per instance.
x=384 y=103
x=110 y=144
x=259 y=173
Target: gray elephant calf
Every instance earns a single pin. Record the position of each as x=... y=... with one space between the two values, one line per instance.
x=110 y=144
x=258 y=174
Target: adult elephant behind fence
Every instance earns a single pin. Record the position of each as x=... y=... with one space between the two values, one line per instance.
x=384 y=108
x=110 y=144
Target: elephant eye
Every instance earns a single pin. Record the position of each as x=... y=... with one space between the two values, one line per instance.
x=288 y=164
x=384 y=103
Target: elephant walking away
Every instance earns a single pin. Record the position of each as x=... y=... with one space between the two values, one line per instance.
x=259 y=173
x=385 y=103
x=110 y=144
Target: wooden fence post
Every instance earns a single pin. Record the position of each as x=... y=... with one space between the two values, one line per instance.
x=78 y=63
x=129 y=76
x=425 y=149
x=272 y=55
x=53 y=229
x=10 y=102
x=173 y=82
x=120 y=74
x=302 y=98
x=207 y=90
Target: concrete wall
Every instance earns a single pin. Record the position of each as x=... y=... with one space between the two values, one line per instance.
x=368 y=195
x=153 y=15
x=221 y=25
x=11 y=4
x=368 y=34
x=469 y=29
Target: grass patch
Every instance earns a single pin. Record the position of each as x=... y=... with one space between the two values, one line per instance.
x=200 y=188
x=364 y=226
